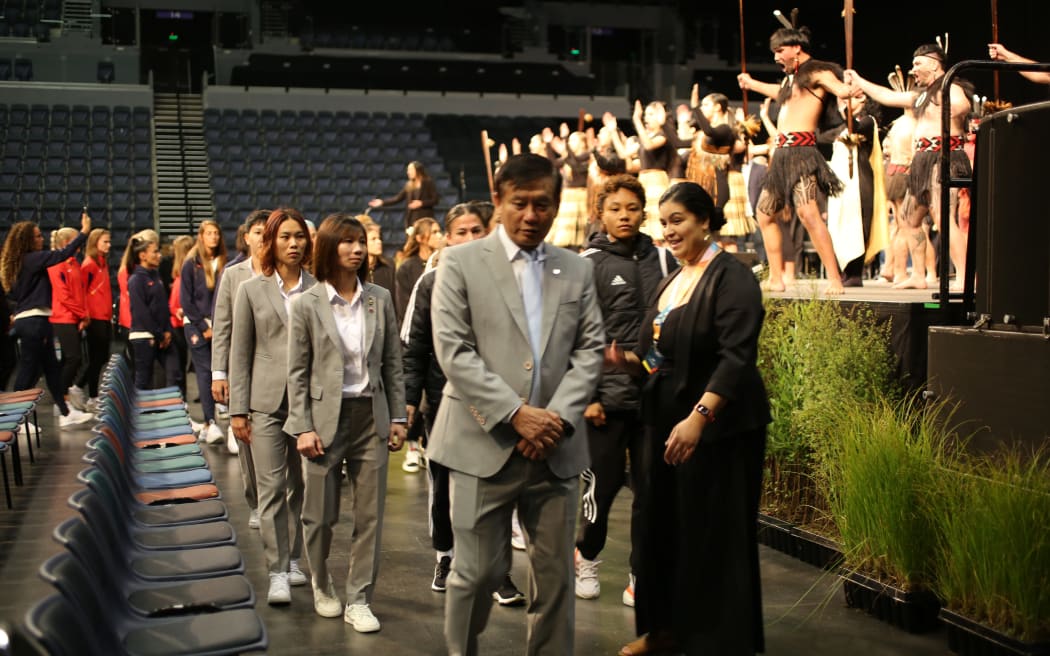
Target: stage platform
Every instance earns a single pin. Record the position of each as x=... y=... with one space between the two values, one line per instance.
x=911 y=312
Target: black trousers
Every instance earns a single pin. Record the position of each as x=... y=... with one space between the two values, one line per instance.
x=99 y=335
x=610 y=445
x=37 y=343
x=68 y=335
x=438 y=503
x=8 y=357
x=145 y=352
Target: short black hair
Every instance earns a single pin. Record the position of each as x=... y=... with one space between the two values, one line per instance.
x=524 y=170
x=790 y=37
x=696 y=201
x=256 y=216
x=931 y=50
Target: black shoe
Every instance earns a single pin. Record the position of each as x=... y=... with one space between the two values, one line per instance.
x=508 y=594
x=441 y=573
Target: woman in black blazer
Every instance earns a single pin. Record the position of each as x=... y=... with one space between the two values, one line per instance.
x=705 y=410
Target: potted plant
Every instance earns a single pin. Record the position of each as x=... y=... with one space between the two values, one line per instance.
x=880 y=472
x=993 y=570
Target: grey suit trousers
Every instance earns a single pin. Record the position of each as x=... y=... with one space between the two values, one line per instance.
x=481 y=514
x=356 y=442
x=279 y=475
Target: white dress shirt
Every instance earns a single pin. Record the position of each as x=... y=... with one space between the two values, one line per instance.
x=350 y=322
x=290 y=294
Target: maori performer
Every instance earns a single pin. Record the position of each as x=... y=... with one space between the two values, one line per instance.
x=998 y=52
x=658 y=156
x=572 y=157
x=798 y=171
x=713 y=160
x=923 y=178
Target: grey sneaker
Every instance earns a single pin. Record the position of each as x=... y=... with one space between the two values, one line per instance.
x=295 y=575
x=441 y=571
x=279 y=593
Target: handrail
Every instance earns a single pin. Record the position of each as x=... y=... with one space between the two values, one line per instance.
x=947 y=183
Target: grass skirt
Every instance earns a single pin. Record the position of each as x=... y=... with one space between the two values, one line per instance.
x=789 y=165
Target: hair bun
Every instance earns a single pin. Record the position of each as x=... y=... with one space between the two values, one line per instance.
x=717 y=220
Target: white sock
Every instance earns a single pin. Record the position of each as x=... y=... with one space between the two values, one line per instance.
x=442 y=554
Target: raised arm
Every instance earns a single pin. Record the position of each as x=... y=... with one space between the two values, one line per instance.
x=878 y=93
x=748 y=83
x=998 y=52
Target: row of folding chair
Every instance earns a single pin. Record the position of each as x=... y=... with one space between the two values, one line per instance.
x=77 y=115
x=150 y=563
x=306 y=119
x=16 y=409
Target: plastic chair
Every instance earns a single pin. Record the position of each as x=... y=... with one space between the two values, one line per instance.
x=117 y=631
x=56 y=625
x=150 y=598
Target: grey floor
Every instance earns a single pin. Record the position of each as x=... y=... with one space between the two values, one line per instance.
x=804 y=608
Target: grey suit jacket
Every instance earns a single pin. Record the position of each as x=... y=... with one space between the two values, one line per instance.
x=222 y=316
x=259 y=346
x=315 y=363
x=481 y=341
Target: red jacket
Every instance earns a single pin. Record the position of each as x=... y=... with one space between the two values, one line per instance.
x=124 y=316
x=175 y=304
x=68 y=304
x=98 y=293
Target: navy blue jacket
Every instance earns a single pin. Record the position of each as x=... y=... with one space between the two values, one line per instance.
x=197 y=300
x=32 y=288
x=149 y=305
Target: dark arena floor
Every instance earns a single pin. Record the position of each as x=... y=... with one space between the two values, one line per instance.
x=805 y=611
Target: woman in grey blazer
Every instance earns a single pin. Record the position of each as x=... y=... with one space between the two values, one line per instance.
x=346 y=403
x=259 y=398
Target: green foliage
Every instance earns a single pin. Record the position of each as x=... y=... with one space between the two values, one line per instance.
x=880 y=471
x=994 y=559
x=812 y=356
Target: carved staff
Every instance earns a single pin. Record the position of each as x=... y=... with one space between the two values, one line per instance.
x=995 y=39
x=488 y=163
x=848 y=19
x=743 y=52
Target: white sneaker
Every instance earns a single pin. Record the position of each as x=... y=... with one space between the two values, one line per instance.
x=75 y=418
x=212 y=433
x=587 y=585
x=628 y=593
x=326 y=602
x=411 y=463
x=279 y=593
x=92 y=405
x=77 y=398
x=361 y=618
x=295 y=575
x=517 y=538
x=232 y=445
x=198 y=429
x=253 y=520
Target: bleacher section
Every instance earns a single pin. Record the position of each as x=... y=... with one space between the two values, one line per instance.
x=318 y=162
x=445 y=75
x=25 y=19
x=59 y=158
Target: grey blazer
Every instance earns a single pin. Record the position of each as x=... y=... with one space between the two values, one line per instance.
x=259 y=346
x=222 y=316
x=481 y=341
x=315 y=363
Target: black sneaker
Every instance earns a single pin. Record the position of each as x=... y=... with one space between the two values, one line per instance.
x=508 y=594
x=441 y=573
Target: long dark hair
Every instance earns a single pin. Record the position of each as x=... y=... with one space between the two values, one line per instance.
x=421 y=173
x=19 y=242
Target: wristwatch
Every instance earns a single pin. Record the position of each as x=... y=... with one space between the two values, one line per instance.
x=706 y=412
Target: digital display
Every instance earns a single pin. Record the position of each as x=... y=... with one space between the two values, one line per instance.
x=171 y=14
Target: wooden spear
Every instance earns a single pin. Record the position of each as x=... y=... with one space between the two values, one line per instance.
x=488 y=163
x=743 y=52
x=848 y=19
x=995 y=39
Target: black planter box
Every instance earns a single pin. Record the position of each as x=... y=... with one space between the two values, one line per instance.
x=798 y=542
x=915 y=612
x=968 y=638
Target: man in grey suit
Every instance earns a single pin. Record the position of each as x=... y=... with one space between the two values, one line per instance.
x=518 y=332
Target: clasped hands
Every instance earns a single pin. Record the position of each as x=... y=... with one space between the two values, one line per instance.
x=540 y=430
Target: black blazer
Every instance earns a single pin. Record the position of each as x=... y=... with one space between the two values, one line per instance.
x=715 y=349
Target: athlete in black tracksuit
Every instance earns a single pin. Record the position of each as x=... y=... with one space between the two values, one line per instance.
x=626 y=275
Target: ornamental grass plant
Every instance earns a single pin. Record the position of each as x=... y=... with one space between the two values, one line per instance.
x=993 y=561
x=881 y=471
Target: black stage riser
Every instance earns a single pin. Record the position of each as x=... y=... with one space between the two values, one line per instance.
x=1000 y=380
x=1012 y=223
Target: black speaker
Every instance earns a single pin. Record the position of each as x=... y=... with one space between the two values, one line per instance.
x=1012 y=229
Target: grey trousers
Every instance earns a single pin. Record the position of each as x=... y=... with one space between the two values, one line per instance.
x=247 y=464
x=279 y=475
x=356 y=442
x=481 y=512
